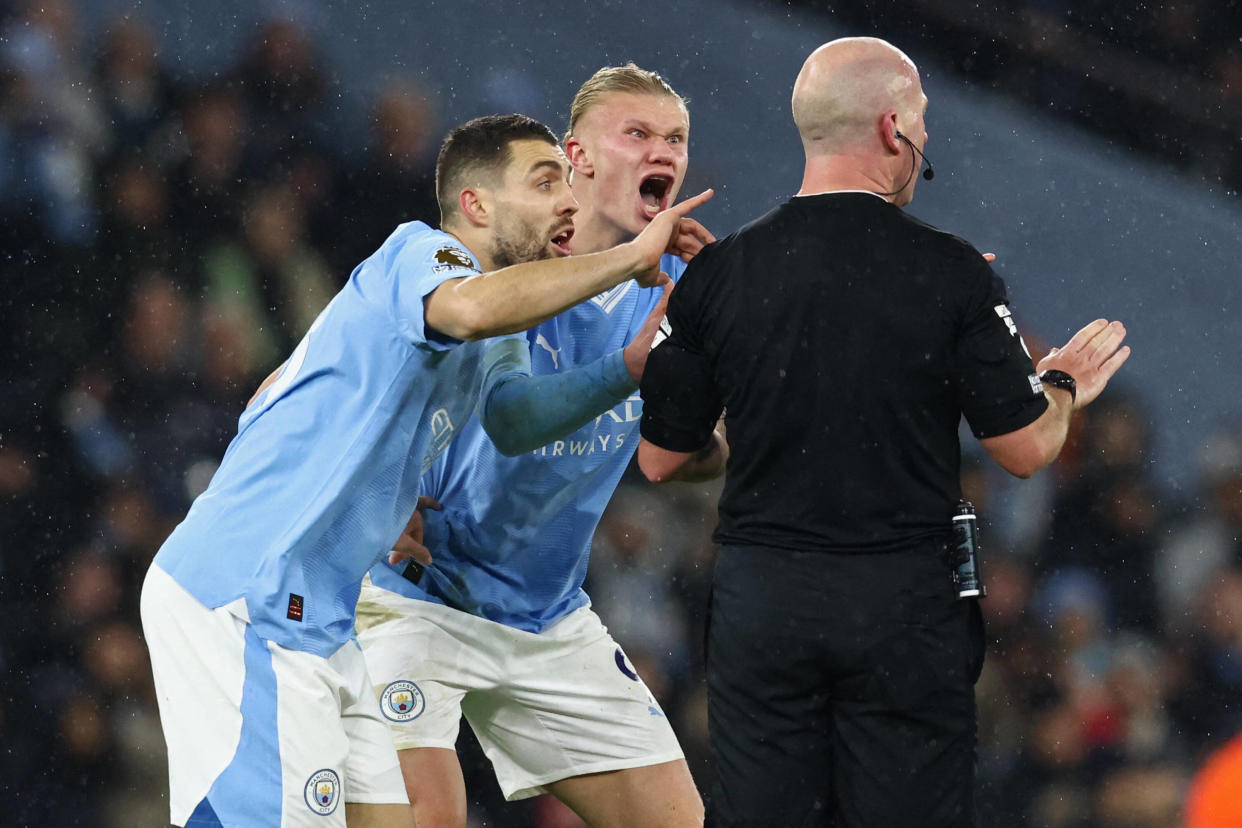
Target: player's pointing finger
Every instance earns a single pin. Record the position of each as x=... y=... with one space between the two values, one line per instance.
x=693 y=202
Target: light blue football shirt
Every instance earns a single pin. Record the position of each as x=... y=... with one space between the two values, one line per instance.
x=323 y=473
x=514 y=539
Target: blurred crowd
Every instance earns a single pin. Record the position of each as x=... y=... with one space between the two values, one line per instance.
x=165 y=243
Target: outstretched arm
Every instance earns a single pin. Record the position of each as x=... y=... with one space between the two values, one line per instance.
x=519 y=297
x=521 y=412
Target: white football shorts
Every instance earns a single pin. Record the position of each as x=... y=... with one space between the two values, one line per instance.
x=259 y=734
x=545 y=707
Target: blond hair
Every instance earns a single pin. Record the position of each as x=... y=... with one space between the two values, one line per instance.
x=628 y=78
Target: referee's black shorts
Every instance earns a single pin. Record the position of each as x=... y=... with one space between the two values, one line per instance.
x=841 y=690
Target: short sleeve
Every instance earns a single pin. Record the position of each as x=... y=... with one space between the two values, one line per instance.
x=673 y=266
x=681 y=403
x=416 y=268
x=999 y=391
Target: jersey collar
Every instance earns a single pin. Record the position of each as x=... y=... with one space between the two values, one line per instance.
x=836 y=192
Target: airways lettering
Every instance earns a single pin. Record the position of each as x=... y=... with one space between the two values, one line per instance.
x=630 y=411
x=582 y=448
x=627 y=412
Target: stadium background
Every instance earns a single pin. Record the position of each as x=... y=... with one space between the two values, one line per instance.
x=182 y=185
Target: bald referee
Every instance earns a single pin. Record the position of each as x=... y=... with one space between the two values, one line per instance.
x=845 y=340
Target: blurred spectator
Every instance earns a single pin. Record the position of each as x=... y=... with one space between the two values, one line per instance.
x=1209 y=705
x=268 y=277
x=55 y=128
x=136 y=236
x=1140 y=798
x=207 y=181
x=134 y=88
x=283 y=85
x=395 y=183
x=1106 y=519
x=1138 y=691
x=1210 y=538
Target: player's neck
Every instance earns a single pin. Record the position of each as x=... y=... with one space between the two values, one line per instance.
x=827 y=173
x=594 y=232
x=475 y=243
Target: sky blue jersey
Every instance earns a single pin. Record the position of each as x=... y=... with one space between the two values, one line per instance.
x=323 y=473
x=513 y=541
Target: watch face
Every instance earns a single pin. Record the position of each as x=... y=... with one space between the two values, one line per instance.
x=1060 y=379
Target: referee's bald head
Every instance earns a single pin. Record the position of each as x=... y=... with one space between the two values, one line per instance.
x=845 y=86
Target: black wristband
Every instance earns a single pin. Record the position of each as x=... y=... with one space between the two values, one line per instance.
x=1060 y=379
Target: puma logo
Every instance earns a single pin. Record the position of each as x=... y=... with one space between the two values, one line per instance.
x=542 y=342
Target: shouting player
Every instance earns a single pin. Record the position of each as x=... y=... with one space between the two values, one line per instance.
x=499 y=628
x=248 y=608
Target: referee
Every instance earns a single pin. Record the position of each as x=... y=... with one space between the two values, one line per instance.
x=845 y=340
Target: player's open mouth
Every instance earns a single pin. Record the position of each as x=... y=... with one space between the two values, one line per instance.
x=561 y=241
x=654 y=193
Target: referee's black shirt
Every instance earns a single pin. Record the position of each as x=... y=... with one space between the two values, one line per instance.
x=845 y=339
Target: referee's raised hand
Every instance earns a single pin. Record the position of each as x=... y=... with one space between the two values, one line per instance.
x=671 y=232
x=1091 y=357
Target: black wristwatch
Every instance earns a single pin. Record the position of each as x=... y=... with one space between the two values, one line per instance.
x=1060 y=379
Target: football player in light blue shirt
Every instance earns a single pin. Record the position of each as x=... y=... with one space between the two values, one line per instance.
x=512 y=542
x=248 y=608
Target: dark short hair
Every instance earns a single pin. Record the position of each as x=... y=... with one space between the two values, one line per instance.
x=481 y=146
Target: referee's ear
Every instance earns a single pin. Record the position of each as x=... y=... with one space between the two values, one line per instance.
x=889 y=131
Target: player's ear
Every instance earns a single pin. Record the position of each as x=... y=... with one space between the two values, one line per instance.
x=473 y=202
x=578 y=158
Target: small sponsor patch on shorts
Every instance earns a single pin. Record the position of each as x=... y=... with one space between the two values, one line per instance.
x=413 y=572
x=402 y=701
x=323 y=791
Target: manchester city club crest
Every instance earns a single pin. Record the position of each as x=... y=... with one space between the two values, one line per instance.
x=323 y=791
x=402 y=701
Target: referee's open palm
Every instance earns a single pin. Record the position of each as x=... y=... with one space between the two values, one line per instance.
x=1091 y=357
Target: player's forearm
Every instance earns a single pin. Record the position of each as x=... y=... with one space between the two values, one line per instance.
x=522 y=413
x=521 y=296
x=1034 y=446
